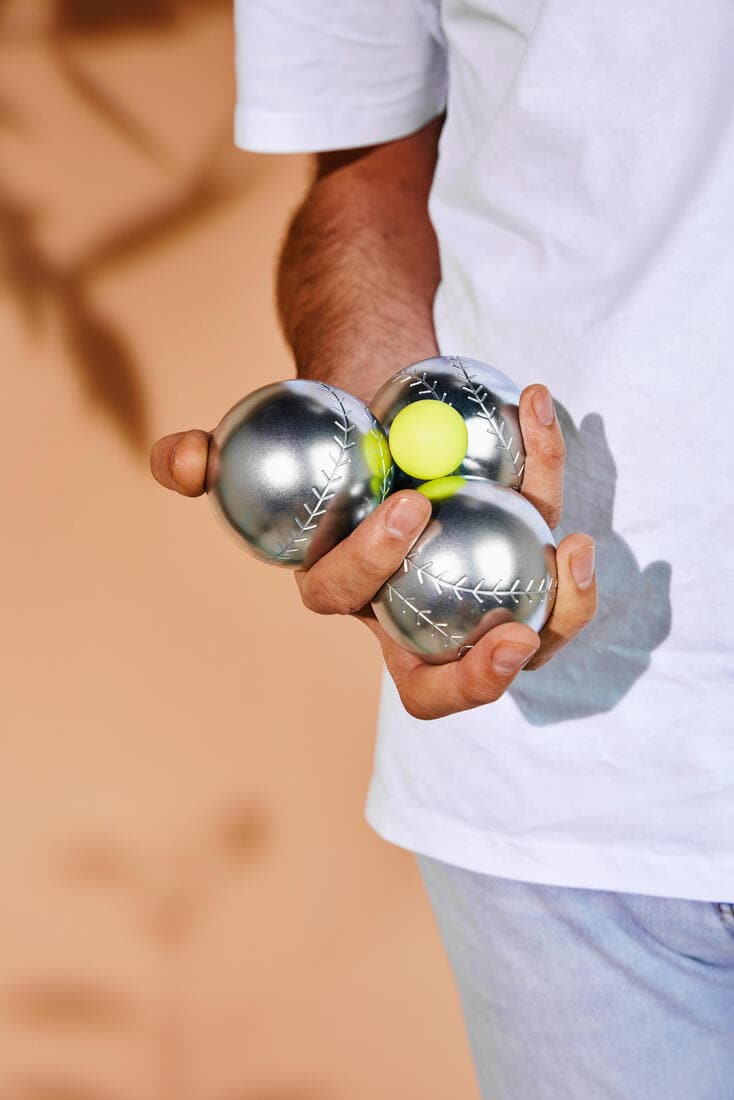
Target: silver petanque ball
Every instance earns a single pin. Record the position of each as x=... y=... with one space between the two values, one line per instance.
x=294 y=467
x=485 y=398
x=486 y=557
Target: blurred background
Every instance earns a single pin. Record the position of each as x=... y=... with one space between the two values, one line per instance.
x=192 y=906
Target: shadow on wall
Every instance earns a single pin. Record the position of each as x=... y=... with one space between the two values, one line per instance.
x=596 y=670
x=100 y=353
x=169 y=894
x=168 y=897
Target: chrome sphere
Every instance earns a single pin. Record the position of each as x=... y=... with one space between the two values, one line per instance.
x=486 y=557
x=294 y=467
x=487 y=400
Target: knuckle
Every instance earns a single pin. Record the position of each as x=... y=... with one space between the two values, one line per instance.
x=315 y=597
x=335 y=598
x=346 y=602
x=370 y=575
x=414 y=708
x=476 y=693
x=550 y=509
x=309 y=597
x=553 y=515
x=552 y=450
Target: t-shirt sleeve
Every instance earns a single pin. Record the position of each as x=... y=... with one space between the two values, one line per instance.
x=317 y=75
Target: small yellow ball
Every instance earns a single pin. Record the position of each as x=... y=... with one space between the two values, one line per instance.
x=376 y=453
x=428 y=439
x=443 y=488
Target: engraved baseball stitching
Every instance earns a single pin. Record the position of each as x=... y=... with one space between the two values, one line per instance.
x=460 y=589
x=545 y=588
x=477 y=395
x=430 y=389
x=386 y=480
x=323 y=496
x=436 y=628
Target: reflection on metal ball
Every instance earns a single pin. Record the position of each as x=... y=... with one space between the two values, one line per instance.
x=294 y=467
x=486 y=557
x=486 y=399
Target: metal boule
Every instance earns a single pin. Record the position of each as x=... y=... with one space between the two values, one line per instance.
x=487 y=556
x=487 y=400
x=294 y=467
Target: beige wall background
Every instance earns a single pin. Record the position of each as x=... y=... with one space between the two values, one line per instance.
x=192 y=906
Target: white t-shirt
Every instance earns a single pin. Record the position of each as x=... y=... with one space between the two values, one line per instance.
x=584 y=207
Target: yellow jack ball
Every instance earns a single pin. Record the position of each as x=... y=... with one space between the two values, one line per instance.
x=428 y=439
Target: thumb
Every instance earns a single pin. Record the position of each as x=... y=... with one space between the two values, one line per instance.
x=179 y=461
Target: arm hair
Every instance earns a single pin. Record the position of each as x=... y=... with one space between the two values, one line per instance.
x=359 y=265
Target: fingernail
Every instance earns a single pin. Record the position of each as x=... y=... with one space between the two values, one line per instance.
x=509 y=656
x=173 y=462
x=405 y=517
x=543 y=405
x=581 y=564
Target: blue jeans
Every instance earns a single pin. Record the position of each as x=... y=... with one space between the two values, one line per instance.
x=573 y=994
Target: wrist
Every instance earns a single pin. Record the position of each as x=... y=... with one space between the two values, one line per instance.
x=362 y=369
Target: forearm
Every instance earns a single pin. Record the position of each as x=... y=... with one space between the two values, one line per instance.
x=359 y=268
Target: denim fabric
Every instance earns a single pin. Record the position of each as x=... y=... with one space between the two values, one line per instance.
x=575 y=994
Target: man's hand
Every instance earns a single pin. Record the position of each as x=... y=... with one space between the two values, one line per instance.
x=345 y=580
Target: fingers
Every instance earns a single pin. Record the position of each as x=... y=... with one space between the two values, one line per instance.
x=545 y=452
x=575 y=604
x=179 y=461
x=347 y=578
x=481 y=676
x=484 y=673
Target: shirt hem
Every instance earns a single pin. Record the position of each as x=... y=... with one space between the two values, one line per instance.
x=569 y=865
x=267 y=132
